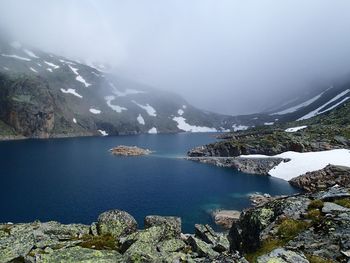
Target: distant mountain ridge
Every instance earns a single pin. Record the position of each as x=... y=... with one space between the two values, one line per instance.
x=43 y=95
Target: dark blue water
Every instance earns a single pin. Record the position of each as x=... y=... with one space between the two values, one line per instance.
x=73 y=180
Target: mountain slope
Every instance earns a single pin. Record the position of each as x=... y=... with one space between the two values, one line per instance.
x=43 y=95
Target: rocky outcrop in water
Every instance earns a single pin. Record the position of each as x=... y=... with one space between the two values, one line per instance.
x=129 y=151
x=322 y=179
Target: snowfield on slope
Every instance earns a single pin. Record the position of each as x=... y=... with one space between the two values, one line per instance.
x=183 y=125
x=71 y=91
x=295 y=129
x=78 y=77
x=148 y=108
x=302 y=163
x=116 y=108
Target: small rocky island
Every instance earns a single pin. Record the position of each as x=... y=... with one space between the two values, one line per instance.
x=123 y=150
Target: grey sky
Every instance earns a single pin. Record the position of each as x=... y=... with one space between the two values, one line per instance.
x=222 y=55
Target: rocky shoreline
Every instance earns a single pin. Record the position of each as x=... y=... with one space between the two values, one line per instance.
x=258 y=166
x=310 y=227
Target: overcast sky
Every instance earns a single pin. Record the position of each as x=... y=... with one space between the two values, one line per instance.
x=222 y=55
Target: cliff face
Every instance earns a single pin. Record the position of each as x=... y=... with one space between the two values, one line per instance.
x=27 y=106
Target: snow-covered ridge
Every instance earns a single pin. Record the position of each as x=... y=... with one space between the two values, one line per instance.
x=299 y=106
x=183 y=125
x=318 y=110
x=71 y=91
x=16 y=57
x=116 y=108
x=301 y=163
x=148 y=108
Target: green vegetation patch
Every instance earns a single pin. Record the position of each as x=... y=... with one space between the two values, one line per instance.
x=343 y=202
x=315 y=204
x=318 y=259
x=290 y=228
x=266 y=247
x=102 y=242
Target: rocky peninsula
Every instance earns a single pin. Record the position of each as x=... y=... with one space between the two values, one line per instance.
x=123 y=150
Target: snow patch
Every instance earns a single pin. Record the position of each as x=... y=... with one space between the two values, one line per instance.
x=148 y=108
x=183 y=125
x=74 y=120
x=5 y=68
x=94 y=111
x=295 y=129
x=116 y=108
x=78 y=77
x=317 y=111
x=34 y=70
x=140 y=119
x=30 y=53
x=239 y=127
x=153 y=130
x=16 y=57
x=126 y=92
x=184 y=106
x=103 y=133
x=299 y=106
x=269 y=123
x=52 y=65
x=302 y=163
x=71 y=91
x=180 y=112
x=49 y=69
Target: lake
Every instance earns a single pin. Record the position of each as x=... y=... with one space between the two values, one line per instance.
x=73 y=180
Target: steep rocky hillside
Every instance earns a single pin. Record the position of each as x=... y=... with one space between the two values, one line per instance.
x=43 y=95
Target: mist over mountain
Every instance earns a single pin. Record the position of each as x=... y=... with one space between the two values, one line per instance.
x=229 y=57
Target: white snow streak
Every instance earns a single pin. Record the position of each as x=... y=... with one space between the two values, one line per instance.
x=78 y=77
x=269 y=123
x=16 y=57
x=126 y=92
x=51 y=65
x=94 y=111
x=148 y=108
x=116 y=108
x=183 y=125
x=74 y=120
x=297 y=107
x=295 y=129
x=317 y=111
x=30 y=53
x=103 y=133
x=34 y=70
x=71 y=91
x=239 y=127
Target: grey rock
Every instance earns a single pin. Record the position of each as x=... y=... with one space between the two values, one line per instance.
x=171 y=223
x=79 y=254
x=117 y=223
x=202 y=248
x=332 y=207
x=282 y=255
